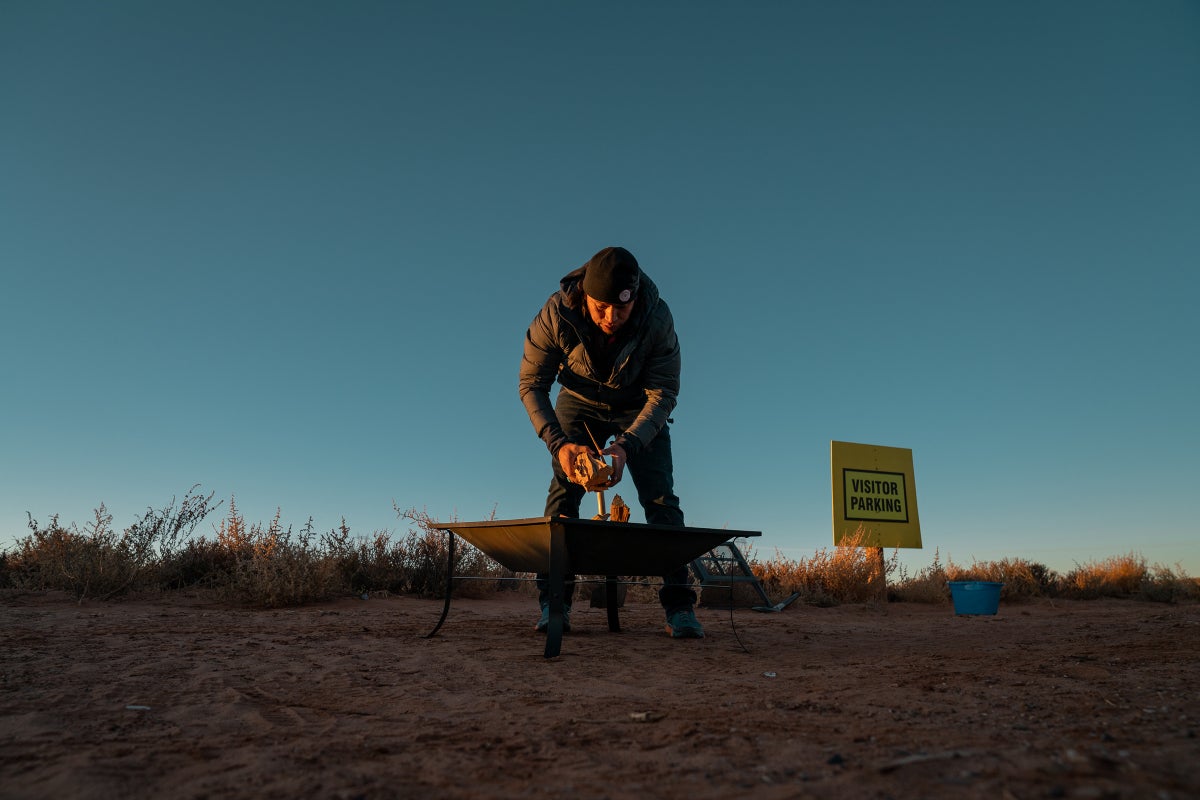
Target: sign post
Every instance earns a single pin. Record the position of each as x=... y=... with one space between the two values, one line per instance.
x=874 y=499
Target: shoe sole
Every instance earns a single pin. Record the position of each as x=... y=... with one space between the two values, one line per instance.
x=684 y=634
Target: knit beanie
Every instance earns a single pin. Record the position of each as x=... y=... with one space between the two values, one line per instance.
x=611 y=276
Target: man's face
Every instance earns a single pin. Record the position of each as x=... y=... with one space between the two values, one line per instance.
x=608 y=316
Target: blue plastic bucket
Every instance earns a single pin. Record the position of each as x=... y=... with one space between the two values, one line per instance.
x=975 y=597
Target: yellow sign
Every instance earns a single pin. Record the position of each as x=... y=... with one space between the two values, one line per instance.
x=874 y=492
x=874 y=495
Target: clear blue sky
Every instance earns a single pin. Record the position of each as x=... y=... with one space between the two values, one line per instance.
x=289 y=250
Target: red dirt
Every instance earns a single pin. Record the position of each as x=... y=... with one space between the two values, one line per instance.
x=1091 y=699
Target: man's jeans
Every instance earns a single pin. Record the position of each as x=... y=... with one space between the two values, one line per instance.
x=651 y=470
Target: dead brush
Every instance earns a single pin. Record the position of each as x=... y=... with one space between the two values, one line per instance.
x=850 y=573
x=275 y=569
x=1116 y=576
x=265 y=565
x=1021 y=578
x=97 y=561
x=199 y=564
x=1166 y=585
x=929 y=585
x=373 y=564
x=424 y=555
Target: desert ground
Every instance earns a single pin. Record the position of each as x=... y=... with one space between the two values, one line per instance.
x=182 y=697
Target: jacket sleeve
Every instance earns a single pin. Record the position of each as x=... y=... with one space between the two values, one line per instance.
x=661 y=384
x=540 y=364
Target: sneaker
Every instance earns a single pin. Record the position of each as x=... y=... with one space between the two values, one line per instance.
x=683 y=624
x=543 y=623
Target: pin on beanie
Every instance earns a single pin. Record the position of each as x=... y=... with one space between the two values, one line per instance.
x=612 y=276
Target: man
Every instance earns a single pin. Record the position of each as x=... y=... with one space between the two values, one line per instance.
x=609 y=340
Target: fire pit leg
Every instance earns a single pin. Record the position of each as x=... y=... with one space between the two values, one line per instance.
x=558 y=576
x=610 y=600
x=449 y=584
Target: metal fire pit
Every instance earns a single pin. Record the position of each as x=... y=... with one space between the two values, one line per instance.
x=561 y=546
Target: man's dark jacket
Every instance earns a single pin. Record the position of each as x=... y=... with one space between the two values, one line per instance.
x=645 y=373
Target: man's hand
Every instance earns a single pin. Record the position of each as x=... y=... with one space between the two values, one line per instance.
x=567 y=455
x=617 y=453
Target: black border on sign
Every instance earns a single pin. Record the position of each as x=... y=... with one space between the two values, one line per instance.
x=846 y=497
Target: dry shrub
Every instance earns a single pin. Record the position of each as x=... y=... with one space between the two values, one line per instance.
x=54 y=557
x=253 y=564
x=1164 y=585
x=267 y=566
x=850 y=573
x=97 y=561
x=207 y=562
x=199 y=563
x=425 y=554
x=289 y=576
x=374 y=564
x=929 y=585
x=1021 y=578
x=1116 y=576
x=272 y=568
x=1129 y=576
